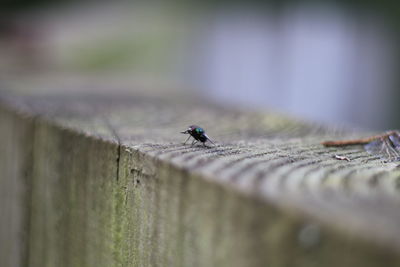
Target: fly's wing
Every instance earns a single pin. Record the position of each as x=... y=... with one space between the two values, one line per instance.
x=387 y=148
x=208 y=138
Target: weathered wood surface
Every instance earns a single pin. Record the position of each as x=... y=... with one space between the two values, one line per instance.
x=104 y=180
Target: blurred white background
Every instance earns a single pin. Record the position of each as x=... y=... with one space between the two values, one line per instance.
x=319 y=62
x=329 y=63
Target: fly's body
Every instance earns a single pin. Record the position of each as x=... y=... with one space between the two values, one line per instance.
x=198 y=134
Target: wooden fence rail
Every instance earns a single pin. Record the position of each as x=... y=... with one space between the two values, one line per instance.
x=104 y=180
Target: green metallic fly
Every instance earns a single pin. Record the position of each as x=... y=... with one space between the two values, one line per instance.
x=198 y=134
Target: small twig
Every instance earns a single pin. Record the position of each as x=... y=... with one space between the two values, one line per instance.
x=341 y=158
x=361 y=141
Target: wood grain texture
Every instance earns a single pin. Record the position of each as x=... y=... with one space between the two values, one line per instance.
x=15 y=185
x=112 y=185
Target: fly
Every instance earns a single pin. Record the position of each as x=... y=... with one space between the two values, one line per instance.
x=198 y=134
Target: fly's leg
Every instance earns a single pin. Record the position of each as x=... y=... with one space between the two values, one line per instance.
x=187 y=140
x=194 y=142
x=211 y=141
